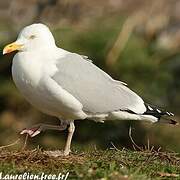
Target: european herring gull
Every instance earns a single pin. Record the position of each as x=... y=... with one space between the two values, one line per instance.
x=69 y=86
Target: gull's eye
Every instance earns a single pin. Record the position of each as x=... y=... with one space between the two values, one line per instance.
x=32 y=36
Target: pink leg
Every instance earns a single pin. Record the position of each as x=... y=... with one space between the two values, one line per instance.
x=35 y=130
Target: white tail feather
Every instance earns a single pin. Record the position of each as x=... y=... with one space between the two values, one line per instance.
x=123 y=115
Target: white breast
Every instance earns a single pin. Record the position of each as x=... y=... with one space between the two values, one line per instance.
x=26 y=74
x=31 y=78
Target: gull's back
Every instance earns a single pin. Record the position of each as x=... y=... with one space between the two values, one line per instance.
x=96 y=90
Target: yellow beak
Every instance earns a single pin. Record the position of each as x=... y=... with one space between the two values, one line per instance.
x=12 y=47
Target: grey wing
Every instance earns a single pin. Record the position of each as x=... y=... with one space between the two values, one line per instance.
x=95 y=89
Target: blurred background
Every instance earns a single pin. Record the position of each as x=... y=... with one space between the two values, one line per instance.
x=135 y=41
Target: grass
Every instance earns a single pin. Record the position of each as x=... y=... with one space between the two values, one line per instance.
x=97 y=164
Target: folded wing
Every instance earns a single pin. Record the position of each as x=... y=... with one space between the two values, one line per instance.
x=95 y=89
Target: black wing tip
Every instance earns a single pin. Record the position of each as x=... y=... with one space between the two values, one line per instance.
x=173 y=122
x=152 y=110
x=169 y=113
x=168 y=121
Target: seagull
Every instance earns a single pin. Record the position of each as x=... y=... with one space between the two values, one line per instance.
x=69 y=86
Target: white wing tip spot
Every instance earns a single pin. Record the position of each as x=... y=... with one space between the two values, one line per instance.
x=172 y=114
x=150 y=108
